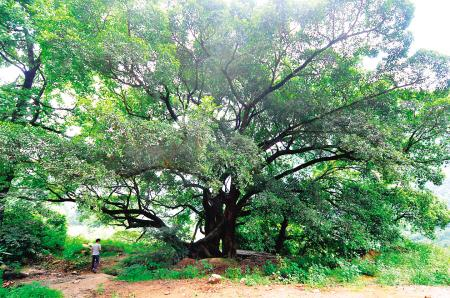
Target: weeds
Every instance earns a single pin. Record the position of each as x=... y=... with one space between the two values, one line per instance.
x=100 y=289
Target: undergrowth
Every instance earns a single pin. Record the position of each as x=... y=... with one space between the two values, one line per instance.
x=403 y=264
x=407 y=263
x=413 y=263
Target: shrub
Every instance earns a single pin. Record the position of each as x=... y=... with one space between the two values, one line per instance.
x=347 y=272
x=367 y=267
x=414 y=263
x=256 y=278
x=76 y=252
x=291 y=271
x=390 y=277
x=317 y=275
x=115 y=247
x=207 y=267
x=28 y=232
x=269 y=268
x=114 y=270
x=151 y=260
x=233 y=273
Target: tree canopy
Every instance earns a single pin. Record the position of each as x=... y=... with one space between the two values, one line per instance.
x=226 y=124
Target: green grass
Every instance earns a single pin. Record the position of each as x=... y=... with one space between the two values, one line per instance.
x=78 y=253
x=248 y=277
x=75 y=247
x=33 y=290
x=414 y=263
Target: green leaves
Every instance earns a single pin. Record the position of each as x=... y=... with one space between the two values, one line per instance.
x=189 y=110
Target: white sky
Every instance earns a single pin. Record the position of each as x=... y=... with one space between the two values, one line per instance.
x=431 y=25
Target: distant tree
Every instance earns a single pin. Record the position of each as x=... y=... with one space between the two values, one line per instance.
x=32 y=110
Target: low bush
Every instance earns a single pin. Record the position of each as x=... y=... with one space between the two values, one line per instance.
x=367 y=267
x=290 y=271
x=317 y=276
x=269 y=268
x=233 y=273
x=255 y=278
x=116 y=247
x=346 y=272
x=151 y=260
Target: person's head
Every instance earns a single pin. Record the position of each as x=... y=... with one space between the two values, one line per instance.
x=97 y=240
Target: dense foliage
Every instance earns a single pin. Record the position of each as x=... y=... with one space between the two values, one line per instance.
x=28 y=233
x=226 y=124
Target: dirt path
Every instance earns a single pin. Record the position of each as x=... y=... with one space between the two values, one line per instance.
x=90 y=285
x=199 y=288
x=75 y=285
x=102 y=285
x=86 y=285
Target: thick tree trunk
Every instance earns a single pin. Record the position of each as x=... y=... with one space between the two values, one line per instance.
x=229 y=234
x=281 y=236
x=4 y=189
x=213 y=207
x=220 y=226
x=229 y=244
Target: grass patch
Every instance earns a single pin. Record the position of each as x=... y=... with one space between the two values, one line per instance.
x=33 y=290
x=414 y=263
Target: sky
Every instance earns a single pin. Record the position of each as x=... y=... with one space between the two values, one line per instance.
x=431 y=30
x=431 y=25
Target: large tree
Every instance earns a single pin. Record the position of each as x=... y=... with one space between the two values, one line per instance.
x=203 y=109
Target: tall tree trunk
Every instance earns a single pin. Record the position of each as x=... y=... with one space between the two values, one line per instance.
x=281 y=235
x=213 y=216
x=229 y=244
x=229 y=233
x=4 y=189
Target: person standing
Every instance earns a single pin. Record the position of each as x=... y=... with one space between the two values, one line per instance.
x=95 y=249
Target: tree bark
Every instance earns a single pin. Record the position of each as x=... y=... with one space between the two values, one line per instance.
x=213 y=207
x=229 y=233
x=229 y=244
x=281 y=235
x=4 y=189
